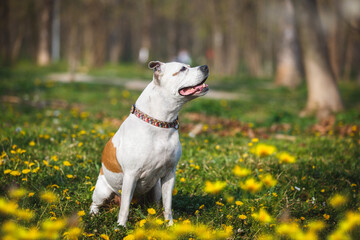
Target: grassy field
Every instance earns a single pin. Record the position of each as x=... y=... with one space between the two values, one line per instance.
x=256 y=170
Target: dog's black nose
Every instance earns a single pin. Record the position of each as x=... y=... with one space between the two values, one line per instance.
x=204 y=68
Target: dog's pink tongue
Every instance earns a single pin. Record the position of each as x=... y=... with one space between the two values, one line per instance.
x=187 y=91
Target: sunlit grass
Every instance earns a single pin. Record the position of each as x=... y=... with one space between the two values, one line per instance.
x=229 y=184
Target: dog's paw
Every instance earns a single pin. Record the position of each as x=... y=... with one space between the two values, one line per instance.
x=119 y=227
x=94 y=210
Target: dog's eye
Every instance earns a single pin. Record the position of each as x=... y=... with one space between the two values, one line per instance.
x=183 y=69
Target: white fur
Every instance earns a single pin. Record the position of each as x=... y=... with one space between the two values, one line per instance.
x=148 y=155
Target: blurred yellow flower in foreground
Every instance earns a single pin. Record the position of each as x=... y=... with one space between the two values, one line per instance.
x=17 y=193
x=214 y=188
x=241 y=172
x=67 y=163
x=291 y=230
x=251 y=185
x=337 y=200
x=285 y=157
x=263 y=150
x=268 y=180
x=48 y=196
x=262 y=216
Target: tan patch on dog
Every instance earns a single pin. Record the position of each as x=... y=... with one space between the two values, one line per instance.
x=109 y=158
x=101 y=171
x=176 y=73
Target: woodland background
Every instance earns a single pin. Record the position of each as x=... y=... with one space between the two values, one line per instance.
x=255 y=38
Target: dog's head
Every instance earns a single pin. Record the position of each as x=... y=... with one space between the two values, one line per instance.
x=180 y=79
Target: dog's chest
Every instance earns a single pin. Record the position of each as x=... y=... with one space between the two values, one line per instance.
x=162 y=160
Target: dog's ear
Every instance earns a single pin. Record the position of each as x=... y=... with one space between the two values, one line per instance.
x=156 y=66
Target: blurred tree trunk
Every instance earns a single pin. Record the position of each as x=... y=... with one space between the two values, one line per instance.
x=250 y=24
x=288 y=69
x=43 y=54
x=55 y=32
x=145 y=36
x=4 y=29
x=232 y=56
x=323 y=94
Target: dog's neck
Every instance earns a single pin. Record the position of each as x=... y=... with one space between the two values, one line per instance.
x=155 y=103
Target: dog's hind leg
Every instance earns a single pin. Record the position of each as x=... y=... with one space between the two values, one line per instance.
x=102 y=192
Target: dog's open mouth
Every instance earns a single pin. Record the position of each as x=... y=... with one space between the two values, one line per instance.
x=194 y=90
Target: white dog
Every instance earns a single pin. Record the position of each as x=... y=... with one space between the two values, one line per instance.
x=142 y=156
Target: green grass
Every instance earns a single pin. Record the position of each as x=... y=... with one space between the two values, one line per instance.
x=74 y=121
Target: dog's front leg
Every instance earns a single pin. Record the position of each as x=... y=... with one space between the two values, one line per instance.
x=127 y=191
x=167 y=186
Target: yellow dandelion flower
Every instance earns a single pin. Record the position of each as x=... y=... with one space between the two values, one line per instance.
x=242 y=217
x=81 y=213
x=26 y=171
x=32 y=144
x=142 y=222
x=219 y=204
x=151 y=211
x=92 y=188
x=15 y=173
x=175 y=191
x=8 y=207
x=129 y=237
x=239 y=203
x=230 y=199
x=67 y=163
x=159 y=222
x=69 y=176
x=263 y=150
x=17 y=193
x=241 y=172
x=31 y=194
x=214 y=188
x=337 y=200
x=274 y=194
x=316 y=226
x=182 y=179
x=48 y=196
x=54 y=158
x=80 y=144
x=72 y=233
x=251 y=185
x=285 y=157
x=291 y=230
x=24 y=214
x=104 y=236
x=7 y=171
x=262 y=216
x=268 y=180
x=351 y=220
x=186 y=221
x=326 y=216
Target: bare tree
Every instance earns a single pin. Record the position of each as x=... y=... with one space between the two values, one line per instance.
x=323 y=94
x=288 y=69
